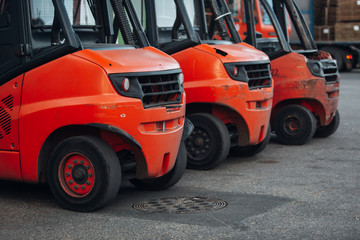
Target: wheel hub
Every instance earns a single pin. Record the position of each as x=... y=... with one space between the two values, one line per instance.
x=77 y=175
x=198 y=144
x=292 y=125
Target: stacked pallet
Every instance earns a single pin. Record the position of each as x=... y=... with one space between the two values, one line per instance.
x=337 y=20
x=324 y=33
x=325 y=12
x=347 y=32
x=348 y=11
x=325 y=19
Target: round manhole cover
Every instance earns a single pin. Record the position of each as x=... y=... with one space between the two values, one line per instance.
x=180 y=205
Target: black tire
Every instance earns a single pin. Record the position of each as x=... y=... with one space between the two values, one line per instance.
x=209 y=143
x=325 y=131
x=250 y=151
x=169 y=179
x=294 y=125
x=88 y=163
x=355 y=59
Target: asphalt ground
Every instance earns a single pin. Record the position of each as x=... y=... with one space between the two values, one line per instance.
x=284 y=192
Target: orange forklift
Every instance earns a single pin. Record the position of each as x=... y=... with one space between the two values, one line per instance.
x=228 y=83
x=73 y=104
x=306 y=81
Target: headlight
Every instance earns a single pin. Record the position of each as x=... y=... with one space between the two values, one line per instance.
x=236 y=72
x=315 y=68
x=181 y=79
x=126 y=85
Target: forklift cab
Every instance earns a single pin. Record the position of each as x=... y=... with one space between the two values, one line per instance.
x=263 y=24
x=184 y=24
x=50 y=34
x=285 y=8
x=217 y=26
x=170 y=29
x=9 y=30
x=320 y=63
x=20 y=47
x=273 y=46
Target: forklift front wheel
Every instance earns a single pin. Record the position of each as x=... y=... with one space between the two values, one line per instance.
x=250 y=151
x=294 y=125
x=84 y=173
x=209 y=143
x=169 y=179
x=325 y=131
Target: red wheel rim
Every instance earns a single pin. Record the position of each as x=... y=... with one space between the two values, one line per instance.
x=292 y=125
x=76 y=175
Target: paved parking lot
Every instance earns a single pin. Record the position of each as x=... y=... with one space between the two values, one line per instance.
x=285 y=192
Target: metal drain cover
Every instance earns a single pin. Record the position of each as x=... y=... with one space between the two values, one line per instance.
x=180 y=205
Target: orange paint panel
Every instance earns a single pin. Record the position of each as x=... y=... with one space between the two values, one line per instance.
x=207 y=81
x=10 y=165
x=130 y=60
x=241 y=52
x=73 y=90
x=294 y=81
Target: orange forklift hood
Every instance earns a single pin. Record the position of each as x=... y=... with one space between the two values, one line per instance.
x=232 y=53
x=129 y=60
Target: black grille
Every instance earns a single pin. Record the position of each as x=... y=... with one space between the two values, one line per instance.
x=258 y=75
x=152 y=88
x=8 y=101
x=5 y=117
x=5 y=121
x=330 y=71
x=160 y=89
